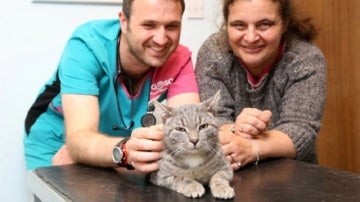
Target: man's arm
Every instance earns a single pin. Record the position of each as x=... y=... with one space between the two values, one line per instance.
x=86 y=145
x=83 y=140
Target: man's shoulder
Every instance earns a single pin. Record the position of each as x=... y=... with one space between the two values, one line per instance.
x=104 y=27
x=181 y=50
x=179 y=59
x=180 y=56
x=99 y=23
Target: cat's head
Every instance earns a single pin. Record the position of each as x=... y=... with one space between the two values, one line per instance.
x=191 y=127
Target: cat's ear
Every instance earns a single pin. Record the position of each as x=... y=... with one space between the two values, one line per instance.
x=164 y=110
x=211 y=103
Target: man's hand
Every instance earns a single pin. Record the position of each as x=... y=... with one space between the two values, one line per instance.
x=144 y=147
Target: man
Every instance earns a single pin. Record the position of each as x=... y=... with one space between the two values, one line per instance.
x=106 y=77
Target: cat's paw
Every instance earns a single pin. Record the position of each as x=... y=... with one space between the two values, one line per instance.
x=223 y=191
x=192 y=190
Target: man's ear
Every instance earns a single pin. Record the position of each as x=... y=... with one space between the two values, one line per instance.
x=123 y=22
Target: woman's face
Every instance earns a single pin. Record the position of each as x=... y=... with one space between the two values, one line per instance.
x=255 y=29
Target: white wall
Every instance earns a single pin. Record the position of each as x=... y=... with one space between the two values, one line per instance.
x=32 y=36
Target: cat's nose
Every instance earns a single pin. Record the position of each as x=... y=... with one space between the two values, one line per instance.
x=194 y=140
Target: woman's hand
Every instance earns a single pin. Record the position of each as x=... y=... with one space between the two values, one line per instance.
x=252 y=122
x=144 y=147
x=238 y=150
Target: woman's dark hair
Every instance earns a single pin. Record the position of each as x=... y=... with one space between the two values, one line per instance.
x=300 y=27
x=127 y=4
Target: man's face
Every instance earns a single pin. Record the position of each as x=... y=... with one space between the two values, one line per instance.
x=153 y=31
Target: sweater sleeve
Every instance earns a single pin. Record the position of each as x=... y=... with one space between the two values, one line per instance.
x=303 y=100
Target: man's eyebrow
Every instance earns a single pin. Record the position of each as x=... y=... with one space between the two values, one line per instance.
x=156 y=22
x=175 y=22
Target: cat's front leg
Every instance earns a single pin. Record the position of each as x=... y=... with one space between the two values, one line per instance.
x=220 y=185
x=188 y=187
x=183 y=185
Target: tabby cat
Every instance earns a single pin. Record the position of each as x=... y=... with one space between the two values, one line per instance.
x=192 y=155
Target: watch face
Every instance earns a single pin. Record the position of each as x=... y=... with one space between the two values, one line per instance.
x=117 y=155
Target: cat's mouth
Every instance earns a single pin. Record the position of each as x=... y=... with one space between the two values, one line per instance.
x=194 y=148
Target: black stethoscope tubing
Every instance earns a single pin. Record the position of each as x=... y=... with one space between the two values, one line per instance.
x=115 y=83
x=147 y=119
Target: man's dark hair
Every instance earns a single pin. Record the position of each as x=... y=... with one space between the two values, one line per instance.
x=127 y=4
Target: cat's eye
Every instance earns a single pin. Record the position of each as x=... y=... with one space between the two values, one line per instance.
x=203 y=126
x=181 y=129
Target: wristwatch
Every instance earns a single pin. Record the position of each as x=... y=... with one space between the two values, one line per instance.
x=119 y=154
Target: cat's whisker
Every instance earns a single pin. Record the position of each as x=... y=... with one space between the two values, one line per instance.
x=176 y=151
x=214 y=151
x=211 y=149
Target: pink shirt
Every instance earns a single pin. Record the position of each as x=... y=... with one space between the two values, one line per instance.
x=176 y=76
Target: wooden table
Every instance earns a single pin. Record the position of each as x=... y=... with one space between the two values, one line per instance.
x=272 y=180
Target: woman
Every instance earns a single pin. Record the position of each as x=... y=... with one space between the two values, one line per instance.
x=272 y=81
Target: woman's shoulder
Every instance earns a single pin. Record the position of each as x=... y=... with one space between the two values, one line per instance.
x=300 y=49
x=302 y=58
x=218 y=42
x=216 y=49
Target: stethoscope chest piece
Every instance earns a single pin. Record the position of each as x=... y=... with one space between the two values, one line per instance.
x=148 y=119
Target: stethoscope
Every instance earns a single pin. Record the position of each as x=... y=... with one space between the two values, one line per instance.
x=147 y=119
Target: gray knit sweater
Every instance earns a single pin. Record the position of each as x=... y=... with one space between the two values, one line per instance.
x=294 y=90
